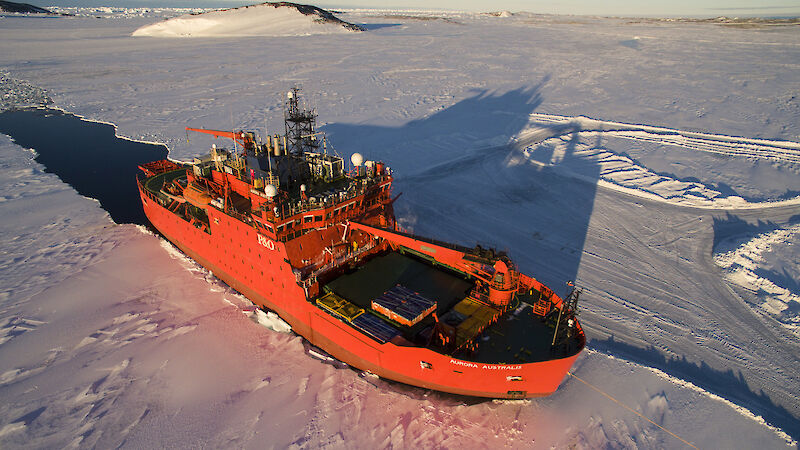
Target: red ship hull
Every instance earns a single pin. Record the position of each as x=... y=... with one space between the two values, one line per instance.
x=259 y=268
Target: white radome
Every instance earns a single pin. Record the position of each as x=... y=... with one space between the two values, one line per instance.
x=357 y=159
x=270 y=190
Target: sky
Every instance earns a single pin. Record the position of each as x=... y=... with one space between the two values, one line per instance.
x=684 y=8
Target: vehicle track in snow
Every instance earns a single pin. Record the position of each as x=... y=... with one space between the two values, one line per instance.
x=706 y=142
x=564 y=142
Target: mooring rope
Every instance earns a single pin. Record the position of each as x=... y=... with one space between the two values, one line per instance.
x=610 y=397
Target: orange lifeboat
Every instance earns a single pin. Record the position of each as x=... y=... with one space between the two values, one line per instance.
x=197 y=195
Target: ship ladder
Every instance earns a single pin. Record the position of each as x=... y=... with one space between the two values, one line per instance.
x=173 y=207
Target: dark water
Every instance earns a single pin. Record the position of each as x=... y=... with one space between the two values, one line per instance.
x=87 y=156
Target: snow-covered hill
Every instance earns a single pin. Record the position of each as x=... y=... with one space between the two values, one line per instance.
x=266 y=19
x=22 y=8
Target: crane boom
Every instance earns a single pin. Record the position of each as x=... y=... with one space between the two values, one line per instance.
x=245 y=139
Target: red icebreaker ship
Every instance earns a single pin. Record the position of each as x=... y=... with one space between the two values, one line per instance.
x=289 y=227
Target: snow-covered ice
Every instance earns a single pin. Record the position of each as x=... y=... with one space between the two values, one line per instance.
x=636 y=157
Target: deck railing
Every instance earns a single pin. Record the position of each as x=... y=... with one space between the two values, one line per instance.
x=336 y=262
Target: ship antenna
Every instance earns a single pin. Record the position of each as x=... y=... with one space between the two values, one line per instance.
x=233 y=129
x=266 y=132
x=269 y=162
x=332 y=147
x=269 y=152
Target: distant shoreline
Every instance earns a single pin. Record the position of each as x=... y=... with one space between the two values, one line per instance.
x=729 y=14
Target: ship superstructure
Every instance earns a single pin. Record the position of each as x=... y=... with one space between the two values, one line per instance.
x=286 y=222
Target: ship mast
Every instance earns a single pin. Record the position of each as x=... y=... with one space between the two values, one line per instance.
x=300 y=125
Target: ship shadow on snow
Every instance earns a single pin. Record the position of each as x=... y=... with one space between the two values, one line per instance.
x=464 y=178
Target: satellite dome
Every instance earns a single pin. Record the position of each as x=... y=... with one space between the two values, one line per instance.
x=270 y=190
x=357 y=159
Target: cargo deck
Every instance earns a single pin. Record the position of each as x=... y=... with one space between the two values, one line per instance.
x=520 y=336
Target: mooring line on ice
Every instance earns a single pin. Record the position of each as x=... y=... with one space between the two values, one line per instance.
x=610 y=397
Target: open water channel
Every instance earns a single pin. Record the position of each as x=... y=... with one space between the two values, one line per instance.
x=86 y=155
